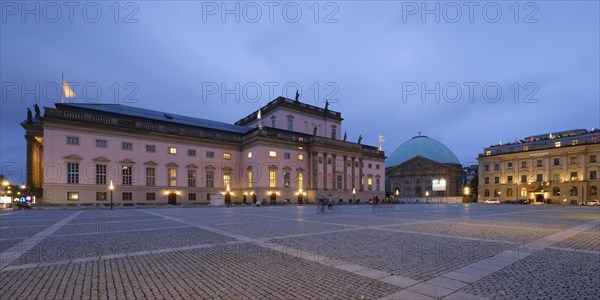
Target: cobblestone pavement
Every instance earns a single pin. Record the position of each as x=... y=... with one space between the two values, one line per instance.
x=291 y=252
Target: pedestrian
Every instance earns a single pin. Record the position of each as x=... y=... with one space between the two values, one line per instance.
x=329 y=202
x=322 y=202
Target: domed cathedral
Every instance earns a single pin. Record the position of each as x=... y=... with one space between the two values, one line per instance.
x=423 y=167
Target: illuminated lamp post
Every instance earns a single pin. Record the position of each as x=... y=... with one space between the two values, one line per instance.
x=354 y=195
x=111 y=187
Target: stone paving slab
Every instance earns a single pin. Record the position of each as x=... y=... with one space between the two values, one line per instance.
x=70 y=247
x=545 y=274
x=20 y=232
x=113 y=227
x=242 y=271
x=583 y=241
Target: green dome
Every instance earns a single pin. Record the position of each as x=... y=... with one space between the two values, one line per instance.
x=424 y=147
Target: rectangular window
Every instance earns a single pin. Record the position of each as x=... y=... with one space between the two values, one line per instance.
x=509 y=179
x=290 y=124
x=272 y=153
x=71 y=140
x=338 y=182
x=593 y=175
x=539 y=178
x=300 y=180
x=127 y=196
x=555 y=191
x=377 y=166
x=488 y=153
x=249 y=154
x=556 y=144
x=523 y=165
x=300 y=157
x=574 y=142
x=593 y=158
x=370 y=183
x=509 y=165
x=574 y=176
x=227 y=155
x=496 y=167
x=496 y=180
x=286 y=179
x=150 y=196
x=286 y=155
x=127 y=146
x=557 y=161
x=150 y=176
x=486 y=167
x=101 y=144
x=100 y=174
x=101 y=196
x=226 y=179
x=127 y=175
x=210 y=178
x=172 y=177
x=191 y=178
x=192 y=196
x=486 y=180
x=574 y=160
x=72 y=196
x=369 y=165
x=272 y=178
x=150 y=148
x=556 y=177
x=524 y=178
x=72 y=173
x=249 y=175
x=377 y=184
x=573 y=191
x=191 y=152
x=525 y=148
x=539 y=163
x=172 y=150
x=210 y=154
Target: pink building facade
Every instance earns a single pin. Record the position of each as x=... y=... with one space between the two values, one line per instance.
x=76 y=150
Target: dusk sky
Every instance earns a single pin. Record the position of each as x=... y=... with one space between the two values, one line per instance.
x=372 y=59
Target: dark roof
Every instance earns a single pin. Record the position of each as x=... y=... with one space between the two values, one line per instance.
x=157 y=116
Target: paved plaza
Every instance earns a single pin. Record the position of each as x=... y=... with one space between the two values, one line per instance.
x=473 y=251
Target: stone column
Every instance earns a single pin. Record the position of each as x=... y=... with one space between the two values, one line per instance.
x=324 y=170
x=313 y=169
x=334 y=172
x=353 y=173
x=345 y=172
x=360 y=174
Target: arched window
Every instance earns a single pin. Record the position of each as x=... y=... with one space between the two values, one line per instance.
x=523 y=192
x=509 y=192
x=593 y=190
x=486 y=193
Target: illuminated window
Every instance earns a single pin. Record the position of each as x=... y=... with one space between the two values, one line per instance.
x=370 y=183
x=249 y=176
x=574 y=142
x=509 y=192
x=300 y=180
x=172 y=177
x=172 y=150
x=227 y=155
x=100 y=174
x=300 y=157
x=272 y=177
x=273 y=153
x=556 y=144
x=593 y=190
x=72 y=196
x=71 y=140
x=573 y=191
x=150 y=176
x=523 y=192
x=574 y=176
x=488 y=153
x=286 y=178
x=191 y=178
x=226 y=179
x=127 y=175
x=556 y=177
x=249 y=154
x=72 y=173
x=525 y=148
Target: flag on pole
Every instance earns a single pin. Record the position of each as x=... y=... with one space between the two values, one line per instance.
x=258 y=116
x=381 y=138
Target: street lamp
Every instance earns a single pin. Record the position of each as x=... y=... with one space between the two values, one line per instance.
x=427 y=196
x=467 y=191
x=111 y=187
x=354 y=195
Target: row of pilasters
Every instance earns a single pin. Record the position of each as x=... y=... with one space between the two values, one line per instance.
x=330 y=183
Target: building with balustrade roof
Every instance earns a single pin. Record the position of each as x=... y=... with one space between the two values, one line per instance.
x=287 y=151
x=558 y=167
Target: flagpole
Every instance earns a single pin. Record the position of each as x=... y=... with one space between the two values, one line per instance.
x=62 y=84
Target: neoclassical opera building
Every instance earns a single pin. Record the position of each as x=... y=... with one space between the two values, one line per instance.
x=287 y=151
x=557 y=167
x=423 y=167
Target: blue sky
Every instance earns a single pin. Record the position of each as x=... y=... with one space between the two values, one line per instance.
x=366 y=56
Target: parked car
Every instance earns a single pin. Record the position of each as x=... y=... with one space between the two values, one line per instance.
x=520 y=201
x=492 y=201
x=594 y=202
